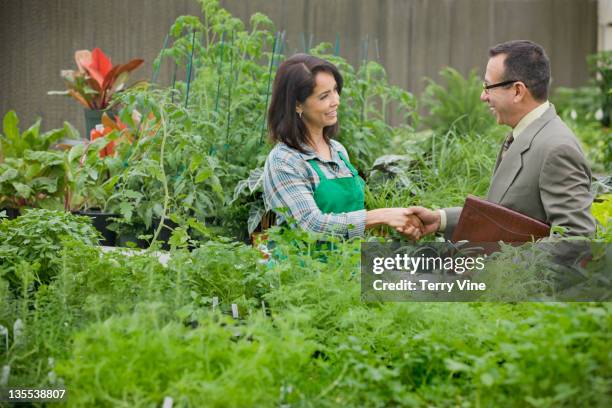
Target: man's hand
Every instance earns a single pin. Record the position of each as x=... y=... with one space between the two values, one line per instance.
x=429 y=218
x=413 y=228
x=400 y=219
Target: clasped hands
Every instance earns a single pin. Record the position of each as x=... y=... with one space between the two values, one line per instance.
x=413 y=222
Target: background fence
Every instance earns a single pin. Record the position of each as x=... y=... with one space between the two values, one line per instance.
x=411 y=38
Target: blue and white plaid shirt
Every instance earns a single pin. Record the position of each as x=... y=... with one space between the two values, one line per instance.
x=290 y=182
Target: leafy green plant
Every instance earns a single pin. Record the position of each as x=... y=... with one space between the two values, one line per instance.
x=457 y=105
x=597 y=144
x=592 y=103
x=14 y=143
x=89 y=178
x=366 y=129
x=36 y=236
x=30 y=174
x=600 y=65
x=165 y=173
x=219 y=112
x=578 y=105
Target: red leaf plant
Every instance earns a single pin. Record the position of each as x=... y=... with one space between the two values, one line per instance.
x=96 y=79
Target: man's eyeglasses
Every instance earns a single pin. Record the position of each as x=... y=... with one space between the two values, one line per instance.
x=486 y=87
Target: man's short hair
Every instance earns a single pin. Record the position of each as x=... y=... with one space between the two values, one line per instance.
x=527 y=62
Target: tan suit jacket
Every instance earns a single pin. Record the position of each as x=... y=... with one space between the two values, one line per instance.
x=544 y=175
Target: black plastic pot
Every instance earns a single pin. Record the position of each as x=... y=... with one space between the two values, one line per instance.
x=11 y=213
x=164 y=235
x=125 y=237
x=100 y=221
x=92 y=118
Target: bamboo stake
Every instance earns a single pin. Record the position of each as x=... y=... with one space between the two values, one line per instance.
x=229 y=102
x=189 y=68
x=337 y=46
x=263 y=122
x=161 y=57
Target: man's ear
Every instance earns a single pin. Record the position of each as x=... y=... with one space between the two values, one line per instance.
x=520 y=91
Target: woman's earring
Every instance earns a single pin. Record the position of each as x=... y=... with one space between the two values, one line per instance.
x=300 y=114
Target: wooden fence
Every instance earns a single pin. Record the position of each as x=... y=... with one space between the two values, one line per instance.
x=411 y=38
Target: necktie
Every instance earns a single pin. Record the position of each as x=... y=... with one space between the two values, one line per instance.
x=507 y=144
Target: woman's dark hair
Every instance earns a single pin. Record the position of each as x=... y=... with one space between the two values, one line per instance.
x=294 y=82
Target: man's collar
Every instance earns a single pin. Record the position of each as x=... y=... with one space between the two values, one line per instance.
x=529 y=118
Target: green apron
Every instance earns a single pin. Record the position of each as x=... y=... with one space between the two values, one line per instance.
x=339 y=195
x=332 y=196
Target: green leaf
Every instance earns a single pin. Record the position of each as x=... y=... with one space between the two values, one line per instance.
x=196 y=160
x=454 y=366
x=71 y=132
x=10 y=126
x=486 y=379
x=48 y=158
x=52 y=136
x=255 y=215
x=126 y=210
x=30 y=136
x=45 y=183
x=9 y=174
x=133 y=194
x=23 y=190
x=203 y=174
x=76 y=152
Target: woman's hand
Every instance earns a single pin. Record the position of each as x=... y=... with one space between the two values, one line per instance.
x=401 y=219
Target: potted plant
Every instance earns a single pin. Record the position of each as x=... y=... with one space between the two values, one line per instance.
x=30 y=174
x=93 y=169
x=94 y=82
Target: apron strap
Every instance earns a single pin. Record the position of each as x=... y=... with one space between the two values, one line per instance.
x=348 y=164
x=317 y=169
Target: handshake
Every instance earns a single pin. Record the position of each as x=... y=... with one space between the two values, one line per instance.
x=412 y=222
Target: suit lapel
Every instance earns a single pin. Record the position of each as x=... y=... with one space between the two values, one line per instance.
x=507 y=169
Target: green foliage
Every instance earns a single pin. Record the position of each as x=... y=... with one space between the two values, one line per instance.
x=121 y=329
x=165 y=173
x=13 y=143
x=457 y=105
x=597 y=144
x=592 y=103
x=89 y=179
x=600 y=65
x=602 y=210
x=36 y=237
x=366 y=102
x=454 y=166
x=577 y=104
x=216 y=120
x=30 y=174
x=311 y=342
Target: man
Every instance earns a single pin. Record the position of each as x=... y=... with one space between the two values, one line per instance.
x=541 y=170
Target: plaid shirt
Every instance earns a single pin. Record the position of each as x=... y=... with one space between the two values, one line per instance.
x=290 y=182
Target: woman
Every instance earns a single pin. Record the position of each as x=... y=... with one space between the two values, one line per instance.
x=308 y=174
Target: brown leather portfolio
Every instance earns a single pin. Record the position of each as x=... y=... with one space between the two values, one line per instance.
x=484 y=221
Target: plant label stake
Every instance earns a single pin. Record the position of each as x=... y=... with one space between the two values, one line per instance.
x=17 y=330
x=235 y=311
x=263 y=307
x=6 y=371
x=168 y=402
x=4 y=332
x=215 y=303
x=52 y=376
